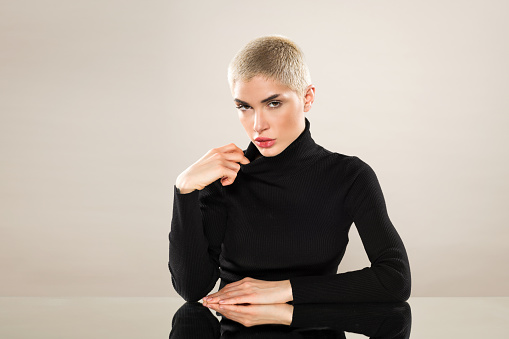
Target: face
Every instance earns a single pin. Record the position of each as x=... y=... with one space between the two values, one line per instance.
x=269 y=110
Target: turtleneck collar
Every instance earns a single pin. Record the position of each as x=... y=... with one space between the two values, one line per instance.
x=300 y=153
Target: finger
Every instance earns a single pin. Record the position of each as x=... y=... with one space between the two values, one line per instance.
x=237 y=283
x=230 y=308
x=234 y=286
x=244 y=160
x=211 y=296
x=240 y=299
x=240 y=157
x=229 y=178
x=229 y=287
x=235 y=150
x=228 y=313
x=234 y=166
x=224 y=309
x=236 y=156
x=225 y=294
x=234 y=312
x=214 y=298
x=237 y=308
x=231 y=147
x=212 y=306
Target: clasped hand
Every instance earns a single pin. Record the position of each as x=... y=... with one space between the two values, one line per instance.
x=230 y=301
x=252 y=291
x=252 y=315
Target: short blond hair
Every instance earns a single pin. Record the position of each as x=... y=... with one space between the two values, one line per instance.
x=274 y=56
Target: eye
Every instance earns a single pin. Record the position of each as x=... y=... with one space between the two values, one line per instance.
x=274 y=104
x=243 y=107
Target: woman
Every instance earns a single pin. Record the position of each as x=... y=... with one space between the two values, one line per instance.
x=272 y=221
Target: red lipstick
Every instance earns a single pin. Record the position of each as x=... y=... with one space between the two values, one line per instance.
x=265 y=142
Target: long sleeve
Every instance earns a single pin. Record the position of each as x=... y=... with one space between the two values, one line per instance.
x=197 y=230
x=388 y=278
x=374 y=320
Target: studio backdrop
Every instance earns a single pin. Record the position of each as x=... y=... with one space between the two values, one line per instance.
x=104 y=103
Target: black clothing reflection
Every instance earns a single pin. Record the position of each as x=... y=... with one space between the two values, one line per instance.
x=374 y=320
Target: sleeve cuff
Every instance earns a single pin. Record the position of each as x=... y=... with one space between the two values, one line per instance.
x=176 y=190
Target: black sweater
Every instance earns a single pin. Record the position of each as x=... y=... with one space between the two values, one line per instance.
x=288 y=217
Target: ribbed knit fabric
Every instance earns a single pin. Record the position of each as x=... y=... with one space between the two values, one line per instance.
x=288 y=217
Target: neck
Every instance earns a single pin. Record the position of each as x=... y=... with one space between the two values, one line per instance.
x=300 y=153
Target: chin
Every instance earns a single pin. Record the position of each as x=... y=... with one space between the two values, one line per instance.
x=268 y=152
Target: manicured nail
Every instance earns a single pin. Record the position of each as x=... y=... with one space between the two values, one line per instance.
x=222 y=301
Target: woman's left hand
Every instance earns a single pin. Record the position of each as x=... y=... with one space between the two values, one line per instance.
x=252 y=291
x=252 y=315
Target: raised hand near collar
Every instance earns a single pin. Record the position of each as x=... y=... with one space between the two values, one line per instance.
x=222 y=162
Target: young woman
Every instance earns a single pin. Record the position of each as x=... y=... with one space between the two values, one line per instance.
x=272 y=221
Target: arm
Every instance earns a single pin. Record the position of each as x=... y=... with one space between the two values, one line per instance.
x=197 y=229
x=388 y=278
x=192 y=320
x=374 y=320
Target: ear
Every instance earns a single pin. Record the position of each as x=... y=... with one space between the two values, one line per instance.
x=309 y=97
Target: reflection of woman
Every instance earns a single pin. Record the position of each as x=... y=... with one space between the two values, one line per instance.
x=375 y=320
x=272 y=221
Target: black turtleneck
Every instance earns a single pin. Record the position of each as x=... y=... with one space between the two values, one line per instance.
x=288 y=217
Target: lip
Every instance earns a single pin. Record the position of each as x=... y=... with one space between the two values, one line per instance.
x=265 y=142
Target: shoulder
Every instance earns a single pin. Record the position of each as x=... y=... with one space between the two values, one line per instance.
x=350 y=171
x=348 y=165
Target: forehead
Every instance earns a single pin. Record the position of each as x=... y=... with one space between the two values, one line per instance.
x=258 y=86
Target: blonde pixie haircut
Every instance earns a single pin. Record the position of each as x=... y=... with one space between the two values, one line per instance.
x=275 y=57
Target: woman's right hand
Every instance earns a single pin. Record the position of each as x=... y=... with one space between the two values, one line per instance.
x=221 y=162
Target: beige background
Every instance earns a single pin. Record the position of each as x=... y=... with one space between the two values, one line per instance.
x=104 y=103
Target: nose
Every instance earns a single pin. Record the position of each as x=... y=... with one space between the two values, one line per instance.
x=260 y=124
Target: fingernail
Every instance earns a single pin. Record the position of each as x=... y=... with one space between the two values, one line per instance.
x=222 y=301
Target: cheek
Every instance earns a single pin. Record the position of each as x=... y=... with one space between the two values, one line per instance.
x=290 y=119
x=245 y=121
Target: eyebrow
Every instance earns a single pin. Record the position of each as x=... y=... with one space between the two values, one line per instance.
x=263 y=101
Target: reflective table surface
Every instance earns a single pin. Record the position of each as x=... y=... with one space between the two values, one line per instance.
x=420 y=317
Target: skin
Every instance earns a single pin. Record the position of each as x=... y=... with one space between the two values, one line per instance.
x=252 y=315
x=221 y=162
x=281 y=118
